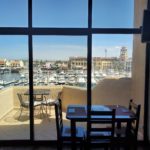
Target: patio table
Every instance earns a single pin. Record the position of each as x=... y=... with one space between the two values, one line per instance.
x=41 y=93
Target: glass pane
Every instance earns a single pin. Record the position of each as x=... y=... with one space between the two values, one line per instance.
x=13 y=13
x=14 y=79
x=111 y=63
x=60 y=65
x=56 y=13
x=113 y=14
x=118 y=71
x=111 y=68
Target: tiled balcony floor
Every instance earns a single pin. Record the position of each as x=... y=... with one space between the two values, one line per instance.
x=45 y=127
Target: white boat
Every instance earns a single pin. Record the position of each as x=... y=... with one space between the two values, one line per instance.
x=97 y=74
x=61 y=80
x=80 y=80
x=22 y=76
x=51 y=79
x=71 y=81
x=93 y=81
x=1 y=82
x=1 y=87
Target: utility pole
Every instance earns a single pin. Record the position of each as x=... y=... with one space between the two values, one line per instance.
x=105 y=53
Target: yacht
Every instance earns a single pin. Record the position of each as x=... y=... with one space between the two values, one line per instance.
x=71 y=81
x=1 y=87
x=81 y=81
x=61 y=80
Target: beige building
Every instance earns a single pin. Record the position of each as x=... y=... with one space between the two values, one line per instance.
x=123 y=54
x=78 y=63
x=62 y=64
x=15 y=63
x=99 y=63
x=2 y=63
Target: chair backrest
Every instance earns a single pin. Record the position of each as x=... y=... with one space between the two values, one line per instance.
x=22 y=103
x=136 y=110
x=59 y=119
x=59 y=95
x=101 y=125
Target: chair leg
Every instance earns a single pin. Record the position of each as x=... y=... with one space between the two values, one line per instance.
x=133 y=145
x=49 y=109
x=87 y=145
x=82 y=145
x=41 y=108
x=21 y=109
x=59 y=145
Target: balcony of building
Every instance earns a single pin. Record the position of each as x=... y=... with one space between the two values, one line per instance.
x=107 y=92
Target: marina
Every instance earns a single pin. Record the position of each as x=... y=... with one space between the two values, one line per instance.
x=55 y=77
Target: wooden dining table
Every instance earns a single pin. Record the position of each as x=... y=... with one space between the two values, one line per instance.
x=78 y=113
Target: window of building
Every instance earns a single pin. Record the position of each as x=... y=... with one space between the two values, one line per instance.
x=82 y=47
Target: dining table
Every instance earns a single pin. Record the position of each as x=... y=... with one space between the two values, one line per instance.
x=79 y=113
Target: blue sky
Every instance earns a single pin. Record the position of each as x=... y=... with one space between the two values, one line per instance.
x=65 y=13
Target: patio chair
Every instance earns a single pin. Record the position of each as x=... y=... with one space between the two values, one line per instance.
x=48 y=102
x=100 y=129
x=24 y=104
x=64 y=132
x=131 y=136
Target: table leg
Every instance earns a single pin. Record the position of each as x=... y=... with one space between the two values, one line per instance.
x=73 y=135
x=128 y=128
x=118 y=128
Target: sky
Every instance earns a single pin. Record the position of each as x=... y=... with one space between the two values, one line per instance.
x=66 y=13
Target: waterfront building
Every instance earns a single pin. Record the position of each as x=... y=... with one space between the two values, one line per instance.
x=49 y=65
x=2 y=63
x=15 y=63
x=98 y=63
x=78 y=63
x=102 y=63
x=123 y=54
x=62 y=64
x=128 y=65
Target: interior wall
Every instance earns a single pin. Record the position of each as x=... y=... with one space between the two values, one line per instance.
x=138 y=70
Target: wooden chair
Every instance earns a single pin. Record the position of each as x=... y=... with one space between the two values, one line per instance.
x=135 y=124
x=130 y=137
x=64 y=132
x=100 y=129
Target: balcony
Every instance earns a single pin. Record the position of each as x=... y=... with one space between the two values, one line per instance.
x=109 y=91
